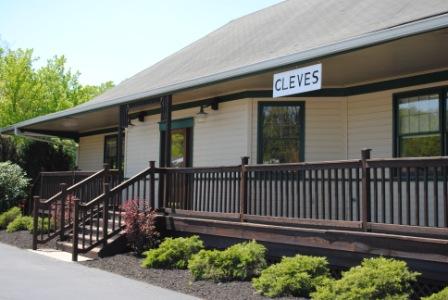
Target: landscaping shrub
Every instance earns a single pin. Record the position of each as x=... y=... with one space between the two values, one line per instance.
x=20 y=223
x=293 y=276
x=9 y=216
x=442 y=295
x=375 y=278
x=140 y=228
x=13 y=184
x=238 y=262
x=173 y=253
x=43 y=225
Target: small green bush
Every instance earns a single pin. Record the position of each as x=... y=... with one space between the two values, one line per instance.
x=43 y=225
x=293 y=276
x=9 y=216
x=13 y=185
x=442 y=295
x=173 y=253
x=238 y=262
x=20 y=223
x=375 y=278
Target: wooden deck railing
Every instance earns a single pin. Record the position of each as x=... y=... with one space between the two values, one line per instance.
x=50 y=182
x=54 y=216
x=87 y=221
x=406 y=196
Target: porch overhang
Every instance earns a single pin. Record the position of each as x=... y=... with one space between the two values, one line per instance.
x=410 y=49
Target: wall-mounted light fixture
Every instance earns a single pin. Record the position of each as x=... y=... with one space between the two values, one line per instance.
x=202 y=114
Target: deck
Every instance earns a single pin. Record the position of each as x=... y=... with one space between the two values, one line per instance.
x=345 y=210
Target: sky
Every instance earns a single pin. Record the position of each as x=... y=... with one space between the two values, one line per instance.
x=113 y=40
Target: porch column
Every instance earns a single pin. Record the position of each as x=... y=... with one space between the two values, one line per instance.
x=122 y=124
x=165 y=118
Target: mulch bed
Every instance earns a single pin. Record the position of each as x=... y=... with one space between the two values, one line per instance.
x=22 y=239
x=128 y=265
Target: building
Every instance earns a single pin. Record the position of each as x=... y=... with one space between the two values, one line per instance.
x=383 y=85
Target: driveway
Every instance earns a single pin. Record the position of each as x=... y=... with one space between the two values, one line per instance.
x=27 y=275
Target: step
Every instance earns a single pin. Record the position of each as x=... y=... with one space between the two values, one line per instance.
x=92 y=253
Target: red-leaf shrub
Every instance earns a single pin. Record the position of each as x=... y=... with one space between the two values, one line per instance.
x=140 y=228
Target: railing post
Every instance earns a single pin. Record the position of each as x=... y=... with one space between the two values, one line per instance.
x=365 y=199
x=35 y=220
x=243 y=186
x=106 y=176
x=62 y=211
x=152 y=179
x=75 y=229
x=106 y=213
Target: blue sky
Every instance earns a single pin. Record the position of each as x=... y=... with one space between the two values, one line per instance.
x=112 y=40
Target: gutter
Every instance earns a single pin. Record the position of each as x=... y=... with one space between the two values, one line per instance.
x=368 y=39
x=33 y=136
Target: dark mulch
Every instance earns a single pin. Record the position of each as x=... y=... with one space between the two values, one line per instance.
x=128 y=265
x=22 y=239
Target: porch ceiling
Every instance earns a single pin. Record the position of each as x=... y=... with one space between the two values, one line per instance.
x=98 y=119
x=416 y=54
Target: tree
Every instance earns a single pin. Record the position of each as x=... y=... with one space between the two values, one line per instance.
x=27 y=92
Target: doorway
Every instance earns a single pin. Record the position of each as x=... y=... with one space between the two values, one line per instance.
x=181 y=147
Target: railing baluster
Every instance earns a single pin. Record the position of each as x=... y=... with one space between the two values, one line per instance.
x=425 y=198
x=417 y=197
x=391 y=195
x=445 y=195
x=330 y=194
x=436 y=198
x=336 y=193
x=400 y=196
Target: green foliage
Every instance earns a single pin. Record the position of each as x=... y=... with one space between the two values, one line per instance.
x=173 y=253
x=13 y=184
x=20 y=223
x=442 y=295
x=375 y=278
x=293 y=276
x=27 y=92
x=43 y=225
x=9 y=216
x=238 y=262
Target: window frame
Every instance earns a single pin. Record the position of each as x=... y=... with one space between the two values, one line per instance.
x=108 y=137
x=183 y=123
x=261 y=105
x=441 y=91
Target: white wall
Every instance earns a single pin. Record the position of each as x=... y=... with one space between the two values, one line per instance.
x=220 y=140
x=90 y=152
x=325 y=128
x=335 y=128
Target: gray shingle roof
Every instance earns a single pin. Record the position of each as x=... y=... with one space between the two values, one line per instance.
x=288 y=28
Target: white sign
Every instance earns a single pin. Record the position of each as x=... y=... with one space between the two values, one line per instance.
x=297 y=81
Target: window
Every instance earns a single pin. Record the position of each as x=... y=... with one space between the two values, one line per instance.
x=419 y=123
x=280 y=132
x=111 y=151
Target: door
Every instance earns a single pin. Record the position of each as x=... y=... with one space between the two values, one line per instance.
x=179 y=184
x=181 y=147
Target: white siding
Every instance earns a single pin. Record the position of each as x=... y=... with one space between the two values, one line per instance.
x=335 y=128
x=324 y=128
x=220 y=140
x=90 y=152
x=370 y=124
x=370 y=121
